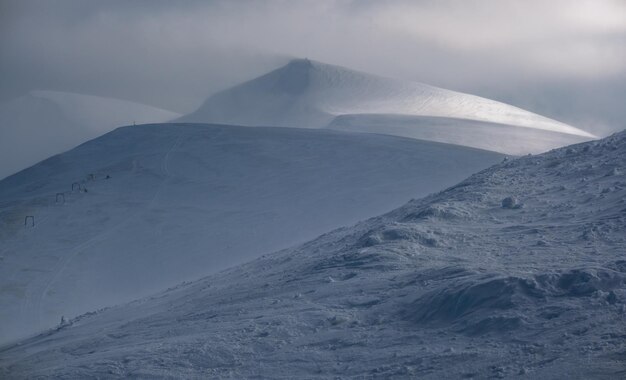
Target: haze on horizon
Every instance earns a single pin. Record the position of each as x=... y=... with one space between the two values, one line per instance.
x=562 y=59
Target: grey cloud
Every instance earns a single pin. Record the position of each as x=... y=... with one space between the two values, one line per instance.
x=173 y=54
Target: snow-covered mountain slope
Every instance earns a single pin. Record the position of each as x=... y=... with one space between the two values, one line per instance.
x=44 y=123
x=186 y=200
x=517 y=272
x=310 y=94
x=479 y=134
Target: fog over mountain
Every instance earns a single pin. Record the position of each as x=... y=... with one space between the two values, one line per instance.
x=562 y=59
x=41 y=124
x=311 y=94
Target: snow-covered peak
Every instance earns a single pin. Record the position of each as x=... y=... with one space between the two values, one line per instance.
x=294 y=78
x=518 y=271
x=312 y=94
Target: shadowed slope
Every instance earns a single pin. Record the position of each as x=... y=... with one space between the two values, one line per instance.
x=186 y=200
x=517 y=271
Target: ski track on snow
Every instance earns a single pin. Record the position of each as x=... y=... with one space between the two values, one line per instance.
x=77 y=249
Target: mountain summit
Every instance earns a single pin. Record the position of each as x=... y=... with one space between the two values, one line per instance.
x=310 y=94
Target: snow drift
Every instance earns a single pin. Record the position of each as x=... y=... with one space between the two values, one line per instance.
x=456 y=285
x=145 y=207
x=311 y=94
x=44 y=123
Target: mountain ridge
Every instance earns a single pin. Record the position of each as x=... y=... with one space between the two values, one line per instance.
x=311 y=94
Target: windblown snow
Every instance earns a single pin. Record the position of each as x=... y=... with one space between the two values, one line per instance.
x=143 y=208
x=517 y=272
x=44 y=123
x=310 y=94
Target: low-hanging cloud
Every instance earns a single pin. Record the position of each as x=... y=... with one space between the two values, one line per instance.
x=173 y=54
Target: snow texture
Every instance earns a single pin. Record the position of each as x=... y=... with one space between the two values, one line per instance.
x=183 y=201
x=44 y=123
x=449 y=286
x=311 y=94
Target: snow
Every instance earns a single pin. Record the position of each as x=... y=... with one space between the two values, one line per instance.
x=311 y=94
x=452 y=285
x=498 y=137
x=43 y=123
x=183 y=201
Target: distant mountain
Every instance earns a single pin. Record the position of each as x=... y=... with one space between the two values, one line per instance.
x=311 y=94
x=165 y=203
x=517 y=272
x=43 y=123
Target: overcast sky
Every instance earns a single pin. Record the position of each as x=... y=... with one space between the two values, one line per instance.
x=562 y=58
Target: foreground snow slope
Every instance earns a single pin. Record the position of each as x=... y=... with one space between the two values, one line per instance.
x=43 y=123
x=453 y=285
x=316 y=95
x=186 y=200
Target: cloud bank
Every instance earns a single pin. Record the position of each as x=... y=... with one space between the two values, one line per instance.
x=564 y=58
